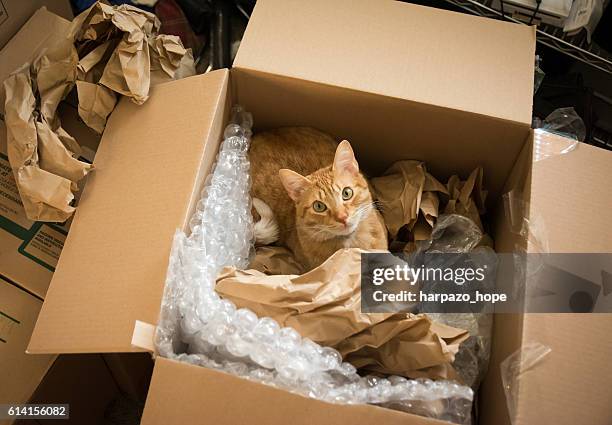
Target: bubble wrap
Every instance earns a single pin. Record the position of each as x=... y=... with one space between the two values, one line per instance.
x=198 y=327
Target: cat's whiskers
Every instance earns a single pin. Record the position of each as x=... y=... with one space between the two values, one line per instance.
x=363 y=210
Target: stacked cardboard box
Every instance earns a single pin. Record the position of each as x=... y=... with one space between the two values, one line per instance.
x=25 y=268
x=15 y=13
x=29 y=252
x=399 y=81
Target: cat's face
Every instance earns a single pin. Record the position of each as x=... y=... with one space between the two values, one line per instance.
x=332 y=201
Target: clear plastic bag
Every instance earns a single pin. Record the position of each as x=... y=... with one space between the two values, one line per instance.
x=454 y=233
x=513 y=368
x=199 y=327
x=538 y=74
x=564 y=122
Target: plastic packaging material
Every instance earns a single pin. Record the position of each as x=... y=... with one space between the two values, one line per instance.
x=472 y=359
x=531 y=237
x=525 y=223
x=564 y=122
x=513 y=368
x=538 y=74
x=199 y=327
x=454 y=233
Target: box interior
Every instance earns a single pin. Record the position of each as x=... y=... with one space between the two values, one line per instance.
x=449 y=141
x=403 y=130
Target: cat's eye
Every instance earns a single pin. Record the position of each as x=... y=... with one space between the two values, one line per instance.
x=347 y=193
x=319 y=206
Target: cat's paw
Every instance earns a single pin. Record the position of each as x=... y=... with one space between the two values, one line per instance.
x=266 y=229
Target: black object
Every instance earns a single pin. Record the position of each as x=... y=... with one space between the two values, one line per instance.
x=220 y=34
x=197 y=13
x=603 y=32
x=535 y=12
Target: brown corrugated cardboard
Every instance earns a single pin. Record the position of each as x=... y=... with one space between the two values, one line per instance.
x=397 y=50
x=150 y=168
x=41 y=378
x=14 y=13
x=182 y=392
x=573 y=384
x=157 y=177
x=40 y=31
x=400 y=124
x=21 y=373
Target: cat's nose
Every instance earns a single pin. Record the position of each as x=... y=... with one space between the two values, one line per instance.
x=342 y=217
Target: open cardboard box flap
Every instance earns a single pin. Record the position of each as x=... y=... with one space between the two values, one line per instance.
x=398 y=50
x=149 y=167
x=177 y=384
x=569 y=192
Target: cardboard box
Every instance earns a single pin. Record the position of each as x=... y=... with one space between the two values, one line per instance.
x=14 y=13
x=29 y=250
x=28 y=255
x=399 y=81
x=87 y=382
x=21 y=373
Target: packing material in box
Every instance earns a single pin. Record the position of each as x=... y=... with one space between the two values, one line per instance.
x=447 y=95
x=30 y=250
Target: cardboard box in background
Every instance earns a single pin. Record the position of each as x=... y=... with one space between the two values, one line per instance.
x=441 y=91
x=29 y=250
x=20 y=373
x=14 y=13
x=86 y=382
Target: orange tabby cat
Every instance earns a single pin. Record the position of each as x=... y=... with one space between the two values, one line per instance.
x=315 y=191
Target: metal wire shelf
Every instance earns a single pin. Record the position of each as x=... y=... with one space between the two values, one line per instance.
x=575 y=46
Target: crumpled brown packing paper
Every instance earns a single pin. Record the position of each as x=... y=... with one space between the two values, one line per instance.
x=407 y=192
x=324 y=305
x=410 y=197
x=120 y=48
x=275 y=260
x=43 y=156
x=468 y=197
x=108 y=50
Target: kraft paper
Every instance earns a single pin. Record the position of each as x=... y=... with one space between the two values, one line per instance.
x=468 y=197
x=324 y=305
x=275 y=260
x=411 y=198
x=109 y=50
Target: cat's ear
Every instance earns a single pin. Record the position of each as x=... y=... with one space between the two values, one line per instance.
x=294 y=183
x=344 y=160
